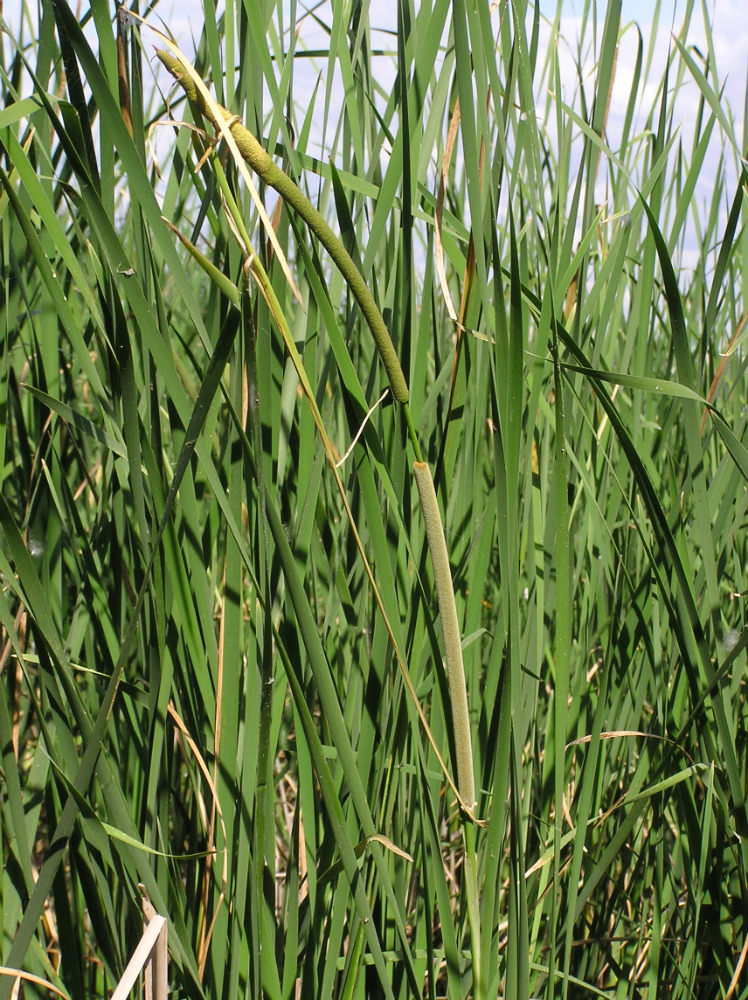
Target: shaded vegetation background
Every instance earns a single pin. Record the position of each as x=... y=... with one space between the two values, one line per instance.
x=214 y=653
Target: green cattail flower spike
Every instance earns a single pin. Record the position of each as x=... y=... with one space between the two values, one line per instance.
x=450 y=631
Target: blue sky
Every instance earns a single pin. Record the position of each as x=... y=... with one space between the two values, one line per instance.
x=726 y=15
x=632 y=10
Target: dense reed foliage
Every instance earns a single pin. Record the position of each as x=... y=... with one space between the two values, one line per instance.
x=222 y=623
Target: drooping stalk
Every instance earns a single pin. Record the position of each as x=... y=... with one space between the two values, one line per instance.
x=262 y=164
x=259 y=160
